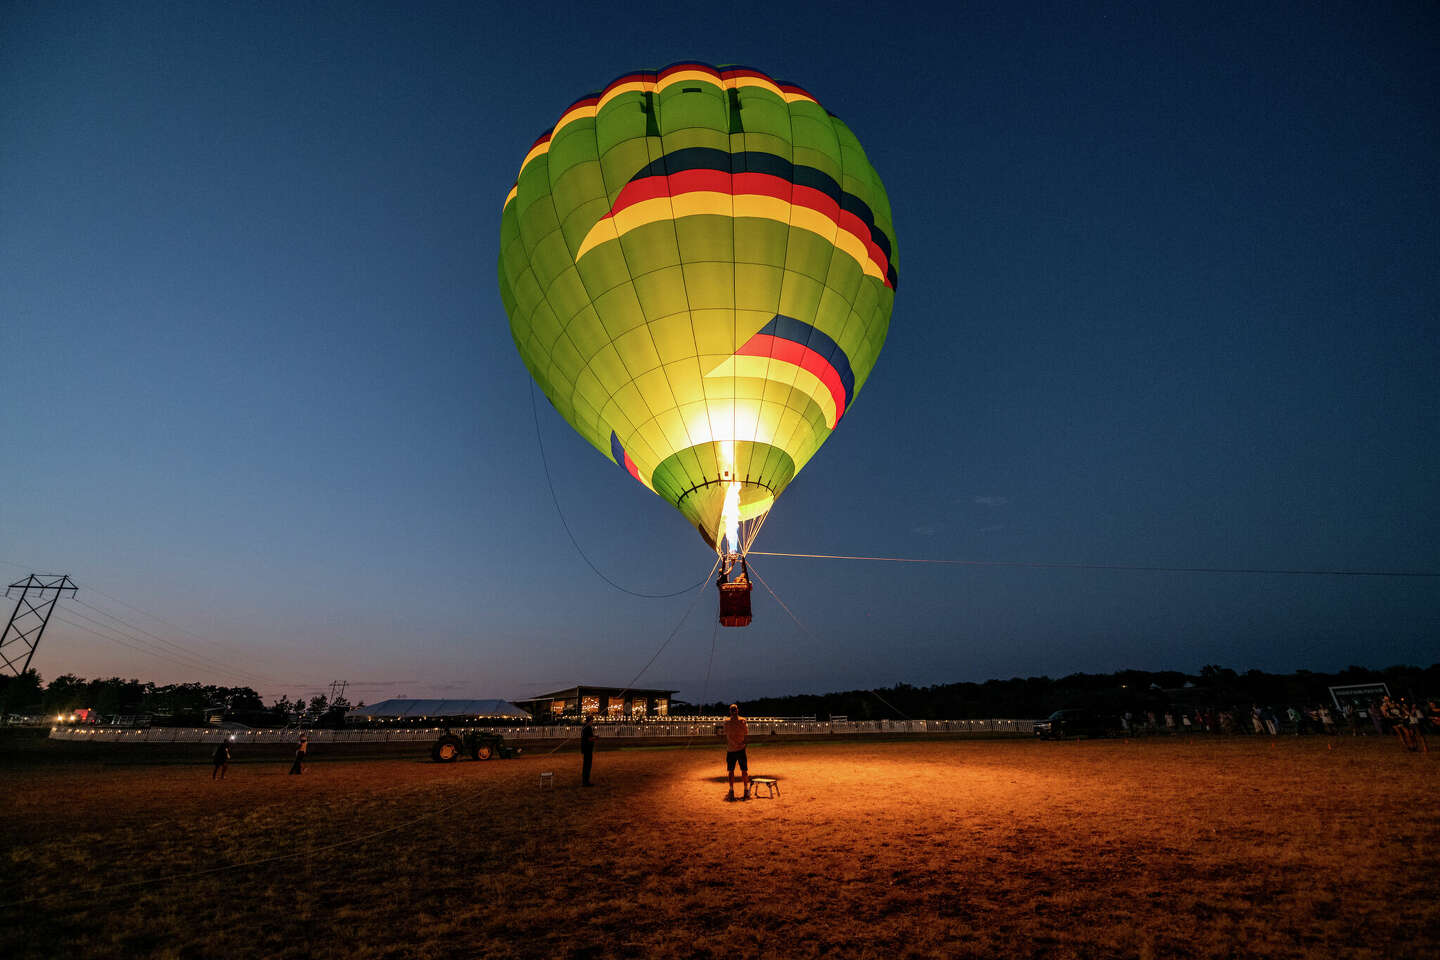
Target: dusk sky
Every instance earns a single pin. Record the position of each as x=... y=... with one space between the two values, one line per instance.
x=1171 y=297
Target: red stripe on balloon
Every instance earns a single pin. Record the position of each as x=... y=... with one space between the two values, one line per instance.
x=675 y=68
x=821 y=201
x=745 y=72
x=751 y=184
x=788 y=351
x=638 y=191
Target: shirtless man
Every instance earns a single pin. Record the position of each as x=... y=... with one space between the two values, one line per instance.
x=736 y=733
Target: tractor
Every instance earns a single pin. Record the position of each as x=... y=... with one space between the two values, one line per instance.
x=476 y=744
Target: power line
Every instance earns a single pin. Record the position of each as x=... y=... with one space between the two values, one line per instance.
x=210 y=661
x=141 y=646
x=1110 y=566
x=133 y=646
x=181 y=655
x=153 y=616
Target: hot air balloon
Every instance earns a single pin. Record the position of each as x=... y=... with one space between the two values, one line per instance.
x=699 y=266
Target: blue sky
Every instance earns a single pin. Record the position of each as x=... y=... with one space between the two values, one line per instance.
x=1171 y=298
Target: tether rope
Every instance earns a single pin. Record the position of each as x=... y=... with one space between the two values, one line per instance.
x=756 y=574
x=545 y=462
x=1108 y=566
x=685 y=616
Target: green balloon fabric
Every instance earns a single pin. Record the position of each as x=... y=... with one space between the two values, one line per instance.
x=699 y=266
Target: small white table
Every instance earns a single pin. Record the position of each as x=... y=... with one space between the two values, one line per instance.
x=772 y=788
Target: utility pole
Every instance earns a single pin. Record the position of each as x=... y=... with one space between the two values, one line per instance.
x=38 y=593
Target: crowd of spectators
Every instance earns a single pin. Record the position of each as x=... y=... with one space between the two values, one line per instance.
x=1407 y=720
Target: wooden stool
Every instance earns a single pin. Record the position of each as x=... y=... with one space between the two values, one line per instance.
x=547 y=780
x=772 y=788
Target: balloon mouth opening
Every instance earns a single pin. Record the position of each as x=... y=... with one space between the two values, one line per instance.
x=727 y=513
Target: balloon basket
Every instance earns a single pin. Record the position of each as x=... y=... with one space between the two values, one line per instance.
x=735 y=604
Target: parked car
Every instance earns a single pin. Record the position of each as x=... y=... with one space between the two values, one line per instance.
x=1076 y=722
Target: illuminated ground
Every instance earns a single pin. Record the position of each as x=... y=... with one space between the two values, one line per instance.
x=1166 y=848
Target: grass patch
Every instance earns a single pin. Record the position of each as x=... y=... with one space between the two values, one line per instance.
x=1164 y=848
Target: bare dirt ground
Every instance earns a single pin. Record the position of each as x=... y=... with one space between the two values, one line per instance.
x=1165 y=848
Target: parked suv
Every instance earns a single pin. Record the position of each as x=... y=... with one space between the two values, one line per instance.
x=1075 y=722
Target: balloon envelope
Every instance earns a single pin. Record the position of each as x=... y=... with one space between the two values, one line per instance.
x=699 y=266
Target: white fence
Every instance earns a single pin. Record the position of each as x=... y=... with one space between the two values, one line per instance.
x=619 y=731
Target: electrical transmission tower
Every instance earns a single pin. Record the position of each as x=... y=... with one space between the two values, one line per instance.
x=38 y=593
x=337 y=688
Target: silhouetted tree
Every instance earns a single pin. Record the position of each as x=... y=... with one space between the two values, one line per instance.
x=20 y=694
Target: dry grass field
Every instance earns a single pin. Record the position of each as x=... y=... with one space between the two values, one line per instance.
x=1161 y=848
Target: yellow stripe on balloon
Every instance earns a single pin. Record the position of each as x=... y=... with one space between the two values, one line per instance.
x=763 y=84
x=779 y=371
x=643 y=86
x=602 y=232
x=703 y=76
x=582 y=112
x=761 y=207
x=539 y=150
x=710 y=203
x=851 y=244
x=808 y=218
x=696 y=204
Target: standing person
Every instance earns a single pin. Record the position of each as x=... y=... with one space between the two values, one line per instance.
x=299 y=765
x=1397 y=718
x=1417 y=728
x=587 y=750
x=221 y=759
x=737 y=732
x=1270 y=722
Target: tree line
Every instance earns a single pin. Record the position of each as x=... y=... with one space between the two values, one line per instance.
x=188 y=704
x=177 y=704
x=1135 y=690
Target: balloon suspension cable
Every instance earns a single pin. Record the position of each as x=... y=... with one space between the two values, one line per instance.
x=1279 y=571
x=748 y=531
x=544 y=461
x=756 y=524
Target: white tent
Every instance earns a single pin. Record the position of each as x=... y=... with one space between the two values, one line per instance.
x=478 y=709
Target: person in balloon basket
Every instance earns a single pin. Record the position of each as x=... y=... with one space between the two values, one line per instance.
x=587 y=750
x=736 y=735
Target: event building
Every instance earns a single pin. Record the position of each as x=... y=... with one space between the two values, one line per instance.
x=600 y=702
